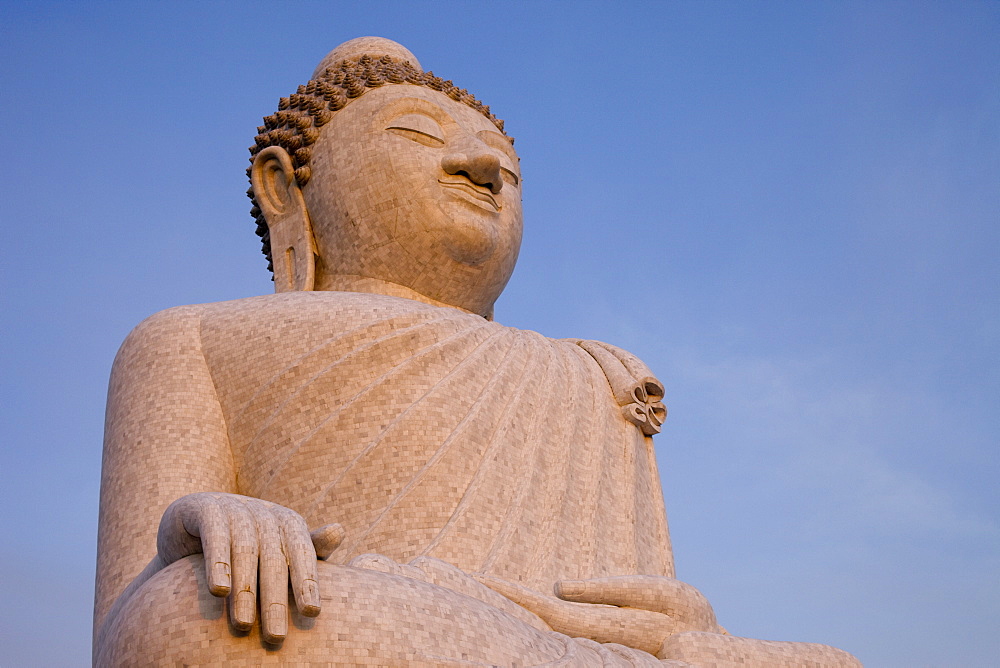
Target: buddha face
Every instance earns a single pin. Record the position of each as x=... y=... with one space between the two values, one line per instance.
x=411 y=187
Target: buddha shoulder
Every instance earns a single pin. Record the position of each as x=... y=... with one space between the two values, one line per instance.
x=285 y=319
x=259 y=333
x=183 y=322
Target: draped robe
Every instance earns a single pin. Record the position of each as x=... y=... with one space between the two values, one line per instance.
x=426 y=430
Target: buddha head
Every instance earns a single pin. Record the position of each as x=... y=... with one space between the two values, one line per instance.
x=376 y=176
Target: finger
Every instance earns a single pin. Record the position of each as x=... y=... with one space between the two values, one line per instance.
x=667 y=596
x=641 y=629
x=545 y=607
x=272 y=576
x=634 y=591
x=301 y=557
x=326 y=539
x=244 y=552
x=205 y=518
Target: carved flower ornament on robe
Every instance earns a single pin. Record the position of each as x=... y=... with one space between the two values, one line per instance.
x=636 y=390
x=646 y=411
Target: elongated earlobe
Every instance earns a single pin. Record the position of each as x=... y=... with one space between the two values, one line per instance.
x=293 y=249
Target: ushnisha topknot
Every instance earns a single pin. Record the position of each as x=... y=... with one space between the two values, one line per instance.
x=354 y=49
x=346 y=73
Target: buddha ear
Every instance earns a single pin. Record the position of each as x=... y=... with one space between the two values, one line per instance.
x=293 y=249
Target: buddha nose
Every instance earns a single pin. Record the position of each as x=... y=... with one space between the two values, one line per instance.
x=478 y=164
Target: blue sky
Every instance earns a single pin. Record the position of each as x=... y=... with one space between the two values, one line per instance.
x=790 y=211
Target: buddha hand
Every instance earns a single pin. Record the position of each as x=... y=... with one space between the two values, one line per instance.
x=240 y=536
x=639 y=611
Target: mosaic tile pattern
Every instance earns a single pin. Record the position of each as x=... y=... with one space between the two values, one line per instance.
x=479 y=495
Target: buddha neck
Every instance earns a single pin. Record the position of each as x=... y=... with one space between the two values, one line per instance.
x=364 y=284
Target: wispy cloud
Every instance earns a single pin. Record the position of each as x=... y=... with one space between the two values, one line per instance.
x=866 y=446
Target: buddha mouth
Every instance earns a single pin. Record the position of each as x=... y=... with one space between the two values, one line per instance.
x=474 y=192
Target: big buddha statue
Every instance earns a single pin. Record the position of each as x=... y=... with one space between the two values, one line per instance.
x=364 y=468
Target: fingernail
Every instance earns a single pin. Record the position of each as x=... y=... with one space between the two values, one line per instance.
x=569 y=588
x=220 y=578
x=310 y=598
x=244 y=608
x=277 y=622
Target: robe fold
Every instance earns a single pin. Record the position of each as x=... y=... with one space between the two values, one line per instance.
x=425 y=430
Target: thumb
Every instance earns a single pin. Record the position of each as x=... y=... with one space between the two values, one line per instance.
x=326 y=539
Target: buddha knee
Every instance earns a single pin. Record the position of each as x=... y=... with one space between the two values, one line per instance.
x=151 y=625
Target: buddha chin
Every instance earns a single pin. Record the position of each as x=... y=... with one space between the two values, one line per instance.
x=470 y=235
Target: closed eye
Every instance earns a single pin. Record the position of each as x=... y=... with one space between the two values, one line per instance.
x=509 y=176
x=418 y=128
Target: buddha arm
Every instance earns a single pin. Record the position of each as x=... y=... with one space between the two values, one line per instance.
x=165 y=437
